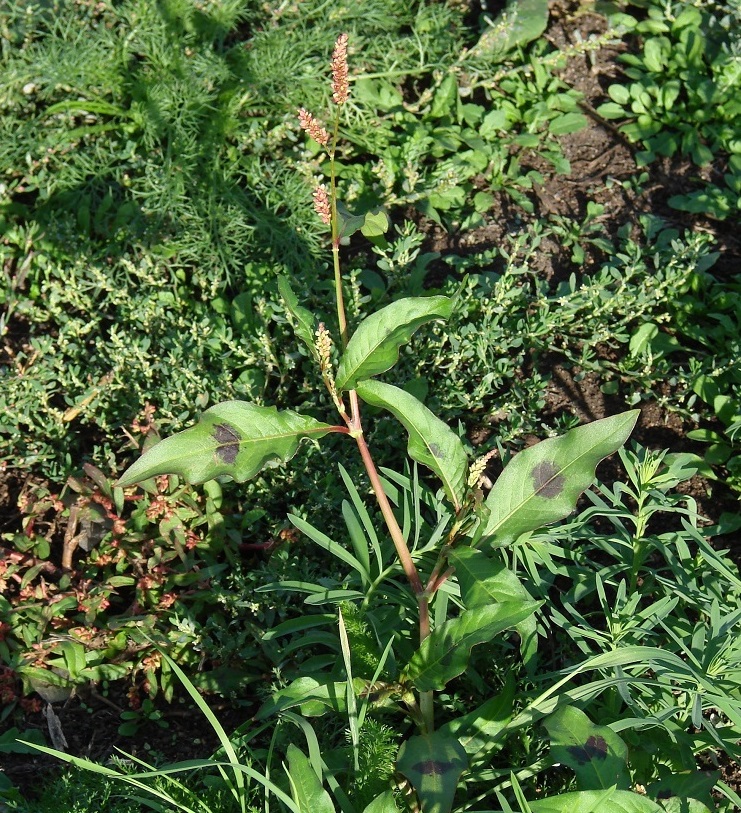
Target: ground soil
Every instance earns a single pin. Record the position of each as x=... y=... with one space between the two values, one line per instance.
x=90 y=723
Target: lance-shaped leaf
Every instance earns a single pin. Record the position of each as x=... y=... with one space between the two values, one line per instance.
x=480 y=728
x=431 y=442
x=597 y=801
x=446 y=652
x=595 y=753
x=306 y=787
x=233 y=438
x=484 y=581
x=383 y=804
x=305 y=323
x=542 y=484
x=374 y=347
x=313 y=695
x=433 y=764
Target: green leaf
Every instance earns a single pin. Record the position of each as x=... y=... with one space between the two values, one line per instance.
x=521 y=22
x=484 y=581
x=542 y=484
x=374 y=347
x=480 y=728
x=314 y=697
x=567 y=123
x=690 y=792
x=445 y=653
x=433 y=764
x=375 y=223
x=331 y=546
x=305 y=324
x=431 y=442
x=595 y=753
x=597 y=801
x=9 y=743
x=446 y=98
x=306 y=787
x=611 y=110
x=653 y=55
x=619 y=94
x=675 y=804
x=348 y=223
x=383 y=804
x=640 y=341
x=234 y=438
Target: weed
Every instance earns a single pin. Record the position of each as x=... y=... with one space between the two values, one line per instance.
x=432 y=593
x=682 y=95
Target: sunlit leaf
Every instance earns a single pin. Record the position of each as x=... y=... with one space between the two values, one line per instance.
x=374 y=347
x=306 y=787
x=431 y=442
x=446 y=652
x=597 y=801
x=234 y=438
x=314 y=696
x=375 y=223
x=433 y=764
x=521 y=22
x=484 y=581
x=541 y=484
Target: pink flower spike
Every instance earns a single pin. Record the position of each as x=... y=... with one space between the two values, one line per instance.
x=321 y=204
x=340 y=84
x=313 y=127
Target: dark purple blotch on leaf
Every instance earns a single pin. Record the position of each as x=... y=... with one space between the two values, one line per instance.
x=437 y=452
x=547 y=480
x=228 y=440
x=433 y=766
x=594 y=748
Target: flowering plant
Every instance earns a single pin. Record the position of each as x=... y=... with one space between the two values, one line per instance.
x=539 y=486
x=447 y=547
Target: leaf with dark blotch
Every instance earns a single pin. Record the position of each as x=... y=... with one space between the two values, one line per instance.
x=542 y=484
x=431 y=442
x=594 y=748
x=234 y=438
x=228 y=439
x=595 y=753
x=433 y=764
x=374 y=347
x=445 y=653
x=548 y=481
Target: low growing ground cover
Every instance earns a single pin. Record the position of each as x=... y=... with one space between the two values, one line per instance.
x=568 y=176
